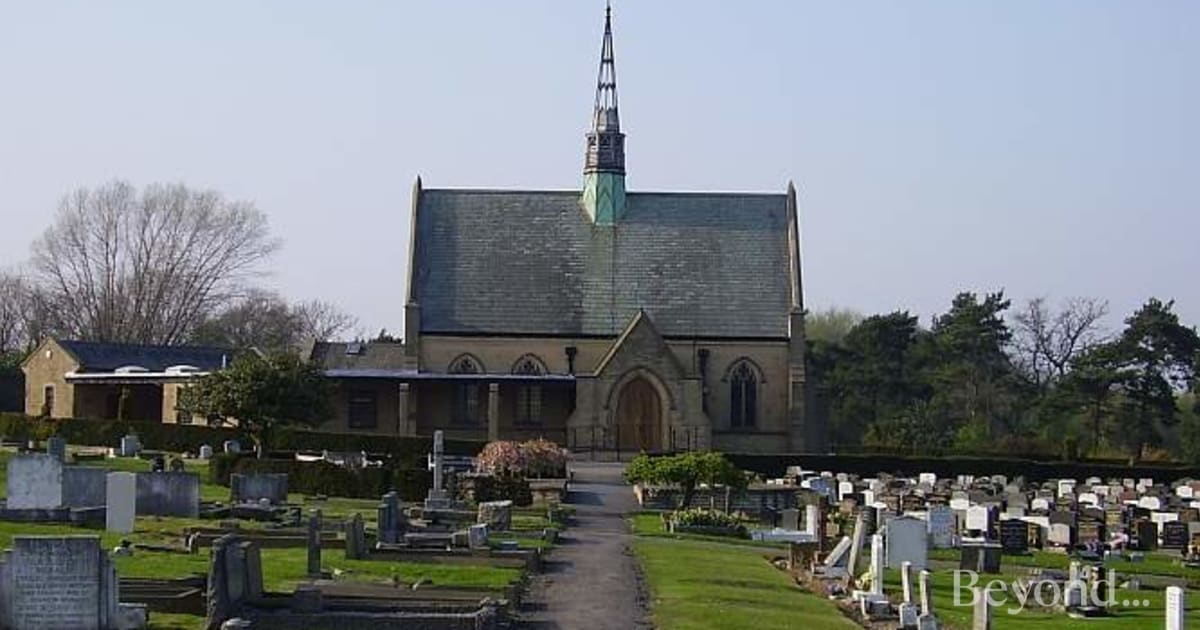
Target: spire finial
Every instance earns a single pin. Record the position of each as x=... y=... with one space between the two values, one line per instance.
x=604 y=163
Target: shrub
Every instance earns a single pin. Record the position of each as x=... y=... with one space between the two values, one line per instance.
x=686 y=470
x=709 y=521
x=538 y=458
x=503 y=486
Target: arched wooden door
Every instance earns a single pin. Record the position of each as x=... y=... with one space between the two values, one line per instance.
x=639 y=417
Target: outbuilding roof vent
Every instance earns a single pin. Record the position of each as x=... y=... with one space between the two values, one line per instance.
x=182 y=369
x=131 y=369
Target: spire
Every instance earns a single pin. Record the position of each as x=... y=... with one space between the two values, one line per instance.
x=605 y=117
x=606 y=143
x=604 y=158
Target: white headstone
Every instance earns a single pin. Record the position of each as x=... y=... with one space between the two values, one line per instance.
x=206 y=451
x=35 y=482
x=979 y=518
x=845 y=489
x=1185 y=492
x=1150 y=503
x=907 y=541
x=477 y=536
x=1090 y=498
x=927 y=477
x=960 y=504
x=1039 y=504
x=812 y=520
x=1066 y=487
x=877 y=564
x=121 y=501
x=1176 y=608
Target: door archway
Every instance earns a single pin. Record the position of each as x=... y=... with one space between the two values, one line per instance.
x=639 y=417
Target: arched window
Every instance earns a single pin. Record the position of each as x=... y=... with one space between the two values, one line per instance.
x=529 y=395
x=743 y=396
x=466 y=392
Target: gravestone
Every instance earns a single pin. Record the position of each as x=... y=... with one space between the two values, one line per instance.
x=982 y=617
x=206 y=451
x=477 y=536
x=168 y=494
x=83 y=486
x=497 y=515
x=356 y=539
x=906 y=583
x=437 y=499
x=130 y=446
x=1039 y=504
x=1061 y=534
x=34 y=482
x=789 y=519
x=232 y=447
x=314 y=543
x=1175 y=535
x=980 y=557
x=1176 y=608
x=56 y=447
x=252 y=488
x=978 y=519
x=1014 y=536
x=813 y=521
x=877 y=564
x=925 y=591
x=62 y=582
x=836 y=563
x=121 y=501
x=943 y=526
x=391 y=522
x=907 y=541
x=1089 y=532
x=857 y=539
x=234 y=579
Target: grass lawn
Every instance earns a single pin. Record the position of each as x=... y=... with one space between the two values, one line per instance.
x=716 y=584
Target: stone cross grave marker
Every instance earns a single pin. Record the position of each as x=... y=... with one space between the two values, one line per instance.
x=436 y=499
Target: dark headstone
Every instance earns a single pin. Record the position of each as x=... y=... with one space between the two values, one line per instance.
x=1174 y=535
x=356 y=539
x=980 y=557
x=314 y=543
x=1014 y=536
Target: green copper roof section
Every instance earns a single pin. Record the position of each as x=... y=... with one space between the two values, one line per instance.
x=604 y=197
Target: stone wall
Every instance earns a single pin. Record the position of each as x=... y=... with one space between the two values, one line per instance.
x=47 y=366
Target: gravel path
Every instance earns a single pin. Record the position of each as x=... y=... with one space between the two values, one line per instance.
x=590 y=580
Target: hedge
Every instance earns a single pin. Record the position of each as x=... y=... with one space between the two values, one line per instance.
x=329 y=479
x=189 y=437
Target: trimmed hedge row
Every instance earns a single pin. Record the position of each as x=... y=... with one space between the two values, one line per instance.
x=153 y=435
x=329 y=479
x=189 y=437
x=776 y=465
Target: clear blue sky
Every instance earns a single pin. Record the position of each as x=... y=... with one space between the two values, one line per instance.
x=1049 y=148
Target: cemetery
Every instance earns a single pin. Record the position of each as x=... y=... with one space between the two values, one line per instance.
x=124 y=537
x=892 y=551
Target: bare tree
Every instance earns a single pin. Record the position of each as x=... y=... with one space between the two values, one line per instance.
x=14 y=291
x=147 y=268
x=322 y=320
x=831 y=324
x=264 y=320
x=1046 y=342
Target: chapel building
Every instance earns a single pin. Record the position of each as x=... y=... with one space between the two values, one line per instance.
x=595 y=317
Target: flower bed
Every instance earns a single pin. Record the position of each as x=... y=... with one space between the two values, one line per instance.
x=707 y=522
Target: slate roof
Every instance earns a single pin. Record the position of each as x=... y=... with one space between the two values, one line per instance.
x=368 y=356
x=106 y=357
x=530 y=262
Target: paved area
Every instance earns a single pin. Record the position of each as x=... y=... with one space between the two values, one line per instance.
x=590 y=581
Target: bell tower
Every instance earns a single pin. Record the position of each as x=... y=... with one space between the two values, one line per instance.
x=604 y=160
